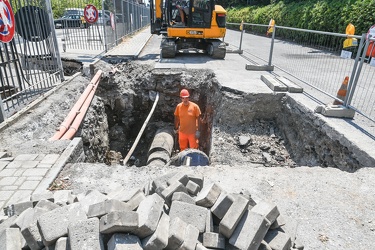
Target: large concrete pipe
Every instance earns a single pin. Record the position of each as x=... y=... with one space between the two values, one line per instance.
x=161 y=147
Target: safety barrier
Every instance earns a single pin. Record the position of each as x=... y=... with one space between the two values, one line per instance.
x=317 y=61
x=116 y=20
x=29 y=59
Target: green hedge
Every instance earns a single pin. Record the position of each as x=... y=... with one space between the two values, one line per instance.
x=323 y=15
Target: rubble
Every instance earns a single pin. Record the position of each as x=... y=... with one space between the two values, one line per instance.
x=179 y=211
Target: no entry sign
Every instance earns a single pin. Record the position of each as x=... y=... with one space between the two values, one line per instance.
x=91 y=14
x=7 y=24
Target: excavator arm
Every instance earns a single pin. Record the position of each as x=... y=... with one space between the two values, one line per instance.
x=156 y=13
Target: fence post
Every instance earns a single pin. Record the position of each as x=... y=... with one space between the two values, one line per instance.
x=2 y=112
x=272 y=44
x=356 y=72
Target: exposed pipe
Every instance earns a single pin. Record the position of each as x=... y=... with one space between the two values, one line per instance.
x=79 y=118
x=142 y=129
x=77 y=106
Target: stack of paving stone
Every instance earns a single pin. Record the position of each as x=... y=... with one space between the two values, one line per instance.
x=176 y=211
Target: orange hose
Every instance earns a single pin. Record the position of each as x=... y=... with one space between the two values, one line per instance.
x=76 y=108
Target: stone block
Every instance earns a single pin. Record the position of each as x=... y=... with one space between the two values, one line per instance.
x=191 y=214
x=222 y=205
x=105 y=207
x=10 y=239
x=199 y=246
x=32 y=236
x=134 y=202
x=292 y=87
x=197 y=179
x=250 y=231
x=180 y=176
x=184 y=197
x=63 y=197
x=47 y=205
x=62 y=244
x=280 y=221
x=192 y=188
x=273 y=84
x=190 y=238
x=176 y=235
x=208 y=195
x=46 y=195
x=124 y=242
x=84 y=234
x=159 y=239
x=268 y=209
x=54 y=224
x=18 y=208
x=233 y=215
x=124 y=194
x=170 y=190
x=214 y=240
x=119 y=222
x=91 y=197
x=149 y=212
x=278 y=240
x=209 y=222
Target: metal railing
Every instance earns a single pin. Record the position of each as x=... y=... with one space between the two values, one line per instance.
x=318 y=62
x=30 y=62
x=118 y=18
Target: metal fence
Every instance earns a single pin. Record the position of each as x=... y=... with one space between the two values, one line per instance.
x=30 y=62
x=317 y=61
x=117 y=19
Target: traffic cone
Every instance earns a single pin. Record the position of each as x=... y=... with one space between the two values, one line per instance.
x=342 y=91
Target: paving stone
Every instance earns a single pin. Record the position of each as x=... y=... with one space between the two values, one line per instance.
x=119 y=222
x=159 y=239
x=197 y=179
x=192 y=188
x=170 y=190
x=209 y=222
x=26 y=157
x=268 y=209
x=134 y=202
x=180 y=176
x=29 y=185
x=222 y=205
x=191 y=214
x=124 y=194
x=50 y=230
x=62 y=244
x=18 y=208
x=6 y=181
x=50 y=159
x=149 y=212
x=44 y=165
x=35 y=172
x=213 y=240
x=63 y=197
x=233 y=215
x=280 y=221
x=278 y=240
x=250 y=231
x=7 y=172
x=10 y=239
x=3 y=164
x=105 y=207
x=184 y=197
x=19 y=196
x=46 y=204
x=199 y=246
x=125 y=242
x=45 y=195
x=29 y=164
x=91 y=197
x=190 y=238
x=176 y=236
x=5 y=195
x=208 y=195
x=84 y=234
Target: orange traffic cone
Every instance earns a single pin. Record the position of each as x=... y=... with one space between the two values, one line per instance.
x=342 y=91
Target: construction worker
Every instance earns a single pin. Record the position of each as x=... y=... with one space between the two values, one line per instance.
x=187 y=122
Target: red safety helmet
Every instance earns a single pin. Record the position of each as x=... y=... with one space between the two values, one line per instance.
x=184 y=93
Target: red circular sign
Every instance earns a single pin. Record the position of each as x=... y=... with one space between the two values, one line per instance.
x=91 y=14
x=7 y=23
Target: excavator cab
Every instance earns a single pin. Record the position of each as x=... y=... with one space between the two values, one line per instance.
x=189 y=25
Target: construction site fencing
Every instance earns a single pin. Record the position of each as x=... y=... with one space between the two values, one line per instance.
x=30 y=61
x=117 y=19
x=318 y=62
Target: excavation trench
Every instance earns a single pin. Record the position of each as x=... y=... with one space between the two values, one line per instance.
x=237 y=128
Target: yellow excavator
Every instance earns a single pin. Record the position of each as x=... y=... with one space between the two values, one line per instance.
x=185 y=25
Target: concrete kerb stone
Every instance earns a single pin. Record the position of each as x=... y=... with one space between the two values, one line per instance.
x=273 y=84
x=72 y=153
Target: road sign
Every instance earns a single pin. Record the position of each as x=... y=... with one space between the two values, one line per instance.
x=91 y=14
x=7 y=23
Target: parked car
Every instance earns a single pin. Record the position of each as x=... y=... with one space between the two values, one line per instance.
x=71 y=21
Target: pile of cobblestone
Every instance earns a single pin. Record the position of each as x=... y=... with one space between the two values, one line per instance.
x=174 y=211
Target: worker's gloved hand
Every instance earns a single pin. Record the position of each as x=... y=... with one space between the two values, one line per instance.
x=197 y=134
